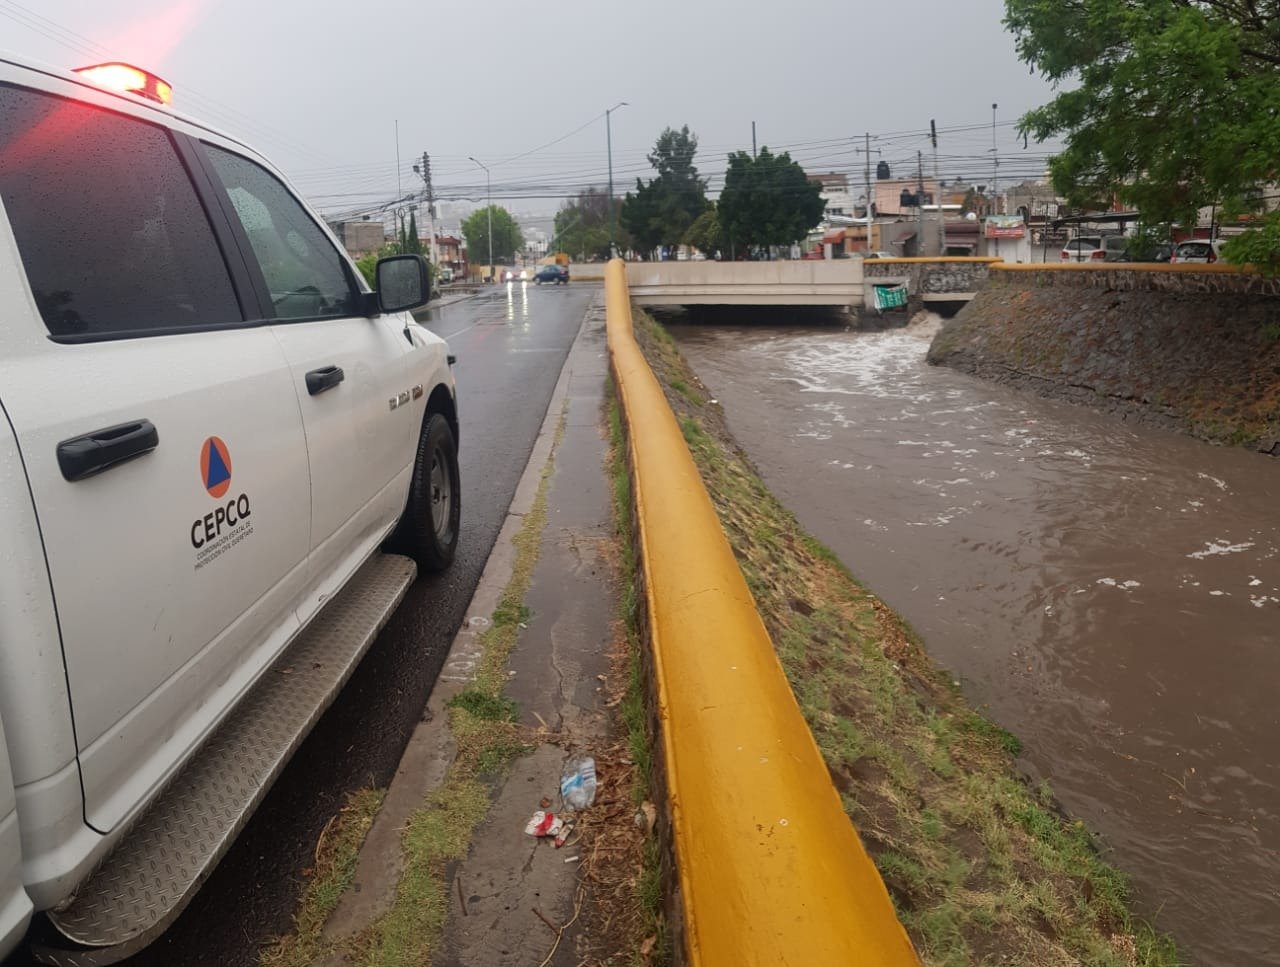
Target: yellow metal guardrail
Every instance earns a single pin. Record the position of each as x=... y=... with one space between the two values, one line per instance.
x=918 y=259
x=771 y=871
x=1176 y=268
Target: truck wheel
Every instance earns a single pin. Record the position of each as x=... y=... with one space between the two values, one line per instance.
x=428 y=531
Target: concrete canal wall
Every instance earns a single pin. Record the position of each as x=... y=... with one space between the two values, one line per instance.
x=1194 y=347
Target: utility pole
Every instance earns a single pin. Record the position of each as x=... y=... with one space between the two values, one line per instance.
x=995 y=164
x=488 y=194
x=425 y=171
x=920 y=203
x=753 y=140
x=867 y=176
x=937 y=190
x=608 y=133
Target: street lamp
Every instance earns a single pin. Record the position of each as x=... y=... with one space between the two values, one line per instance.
x=488 y=208
x=608 y=133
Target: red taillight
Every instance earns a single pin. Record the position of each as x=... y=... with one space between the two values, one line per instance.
x=1098 y=253
x=1213 y=256
x=1065 y=256
x=129 y=80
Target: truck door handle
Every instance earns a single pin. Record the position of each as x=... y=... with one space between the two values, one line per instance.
x=326 y=377
x=84 y=456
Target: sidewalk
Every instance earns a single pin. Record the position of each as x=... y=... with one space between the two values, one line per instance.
x=555 y=676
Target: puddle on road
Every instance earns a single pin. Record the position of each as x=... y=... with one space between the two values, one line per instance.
x=1107 y=592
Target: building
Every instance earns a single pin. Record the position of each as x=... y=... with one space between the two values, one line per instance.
x=889 y=194
x=835 y=192
x=360 y=238
x=449 y=252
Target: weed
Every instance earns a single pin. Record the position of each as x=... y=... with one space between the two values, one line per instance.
x=634 y=706
x=484 y=705
x=336 y=856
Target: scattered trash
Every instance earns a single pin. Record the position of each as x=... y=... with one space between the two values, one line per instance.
x=572 y=859
x=544 y=823
x=545 y=803
x=646 y=948
x=646 y=816
x=566 y=830
x=578 y=782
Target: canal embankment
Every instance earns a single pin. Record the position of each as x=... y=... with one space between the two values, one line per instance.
x=982 y=866
x=1189 y=347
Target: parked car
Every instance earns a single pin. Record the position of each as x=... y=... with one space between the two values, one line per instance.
x=1083 y=248
x=1139 y=251
x=1198 y=250
x=1115 y=248
x=445 y=274
x=557 y=274
x=514 y=274
x=213 y=429
x=876 y=255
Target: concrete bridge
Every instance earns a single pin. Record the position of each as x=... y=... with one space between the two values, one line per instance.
x=848 y=283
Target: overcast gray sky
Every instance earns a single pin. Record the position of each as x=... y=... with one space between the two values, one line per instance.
x=318 y=87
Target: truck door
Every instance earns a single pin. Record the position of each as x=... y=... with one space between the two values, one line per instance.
x=349 y=373
x=159 y=430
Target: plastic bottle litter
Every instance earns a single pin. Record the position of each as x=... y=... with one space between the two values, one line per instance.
x=578 y=782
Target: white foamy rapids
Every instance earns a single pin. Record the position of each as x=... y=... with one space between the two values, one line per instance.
x=1216 y=548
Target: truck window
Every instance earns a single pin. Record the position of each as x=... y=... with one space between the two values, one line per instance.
x=306 y=276
x=111 y=233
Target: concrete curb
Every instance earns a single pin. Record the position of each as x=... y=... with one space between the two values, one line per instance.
x=431 y=748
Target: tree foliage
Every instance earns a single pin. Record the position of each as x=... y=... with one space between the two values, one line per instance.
x=660 y=212
x=582 y=225
x=705 y=234
x=1168 y=105
x=507 y=238
x=413 y=244
x=768 y=200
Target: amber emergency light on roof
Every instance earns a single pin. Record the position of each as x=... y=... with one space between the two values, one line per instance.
x=129 y=80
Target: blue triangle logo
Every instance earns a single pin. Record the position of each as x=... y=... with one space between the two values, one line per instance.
x=218 y=471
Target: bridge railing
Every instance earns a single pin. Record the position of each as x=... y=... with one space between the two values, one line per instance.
x=769 y=869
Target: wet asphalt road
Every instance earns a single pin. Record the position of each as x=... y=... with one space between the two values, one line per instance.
x=510 y=343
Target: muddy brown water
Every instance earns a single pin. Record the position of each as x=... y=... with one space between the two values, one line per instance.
x=1109 y=593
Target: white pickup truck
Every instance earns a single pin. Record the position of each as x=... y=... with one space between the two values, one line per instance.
x=212 y=434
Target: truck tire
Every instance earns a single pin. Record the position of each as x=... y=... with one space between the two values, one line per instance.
x=428 y=532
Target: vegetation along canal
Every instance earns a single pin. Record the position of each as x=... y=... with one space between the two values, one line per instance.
x=1109 y=593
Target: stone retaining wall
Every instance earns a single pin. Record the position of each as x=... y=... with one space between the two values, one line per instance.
x=1196 y=348
x=928 y=276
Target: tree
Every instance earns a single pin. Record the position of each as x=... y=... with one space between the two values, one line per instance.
x=507 y=238
x=413 y=244
x=660 y=212
x=768 y=200
x=582 y=225
x=1167 y=105
x=705 y=234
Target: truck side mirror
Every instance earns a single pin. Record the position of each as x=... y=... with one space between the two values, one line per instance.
x=403 y=283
